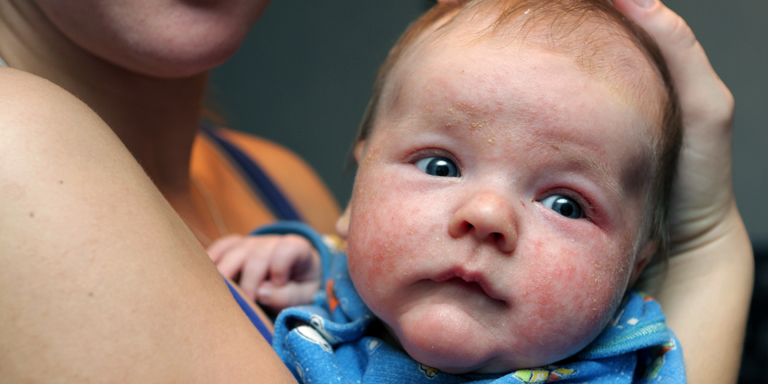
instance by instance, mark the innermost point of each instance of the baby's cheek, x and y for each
(567, 298)
(369, 246)
(384, 243)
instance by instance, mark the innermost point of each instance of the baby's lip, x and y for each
(471, 277)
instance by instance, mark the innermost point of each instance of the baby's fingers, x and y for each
(254, 274)
(223, 245)
(231, 263)
(296, 259)
(288, 295)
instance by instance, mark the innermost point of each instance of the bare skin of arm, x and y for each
(707, 288)
(100, 281)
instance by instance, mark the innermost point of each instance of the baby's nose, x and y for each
(488, 217)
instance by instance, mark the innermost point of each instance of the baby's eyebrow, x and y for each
(549, 133)
(603, 174)
(620, 180)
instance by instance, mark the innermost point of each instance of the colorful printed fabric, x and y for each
(327, 342)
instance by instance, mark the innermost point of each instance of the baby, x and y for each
(514, 171)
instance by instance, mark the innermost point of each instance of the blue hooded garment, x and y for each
(327, 343)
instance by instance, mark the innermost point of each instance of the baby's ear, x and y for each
(358, 151)
(643, 257)
(342, 224)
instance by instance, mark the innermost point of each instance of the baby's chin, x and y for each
(471, 359)
(456, 344)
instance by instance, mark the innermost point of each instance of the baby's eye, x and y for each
(563, 205)
(438, 166)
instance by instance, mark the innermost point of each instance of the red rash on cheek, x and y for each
(566, 297)
(396, 234)
(380, 238)
(559, 286)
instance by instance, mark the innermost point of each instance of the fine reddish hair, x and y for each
(585, 29)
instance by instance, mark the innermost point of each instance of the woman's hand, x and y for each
(708, 285)
(278, 271)
(703, 193)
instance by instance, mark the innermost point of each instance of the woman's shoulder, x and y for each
(34, 108)
(15, 83)
(30, 100)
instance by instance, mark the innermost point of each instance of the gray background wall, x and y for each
(304, 75)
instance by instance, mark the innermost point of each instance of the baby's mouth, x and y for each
(470, 282)
(470, 286)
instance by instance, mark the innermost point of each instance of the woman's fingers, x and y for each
(704, 97)
(702, 195)
(711, 265)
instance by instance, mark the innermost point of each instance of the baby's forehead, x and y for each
(594, 45)
(432, 83)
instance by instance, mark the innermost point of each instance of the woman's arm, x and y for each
(99, 279)
(707, 289)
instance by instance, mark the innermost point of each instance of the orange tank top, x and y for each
(248, 182)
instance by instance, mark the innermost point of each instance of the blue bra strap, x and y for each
(271, 195)
(255, 319)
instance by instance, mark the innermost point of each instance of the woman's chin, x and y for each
(176, 67)
(157, 38)
(177, 59)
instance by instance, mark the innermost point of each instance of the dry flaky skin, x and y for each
(707, 288)
(709, 281)
(595, 35)
(473, 273)
(99, 279)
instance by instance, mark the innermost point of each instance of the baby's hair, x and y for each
(574, 27)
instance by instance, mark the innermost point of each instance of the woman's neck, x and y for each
(155, 118)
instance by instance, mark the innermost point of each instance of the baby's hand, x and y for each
(278, 271)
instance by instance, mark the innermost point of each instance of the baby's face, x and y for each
(497, 210)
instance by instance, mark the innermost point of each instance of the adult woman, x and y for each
(101, 281)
